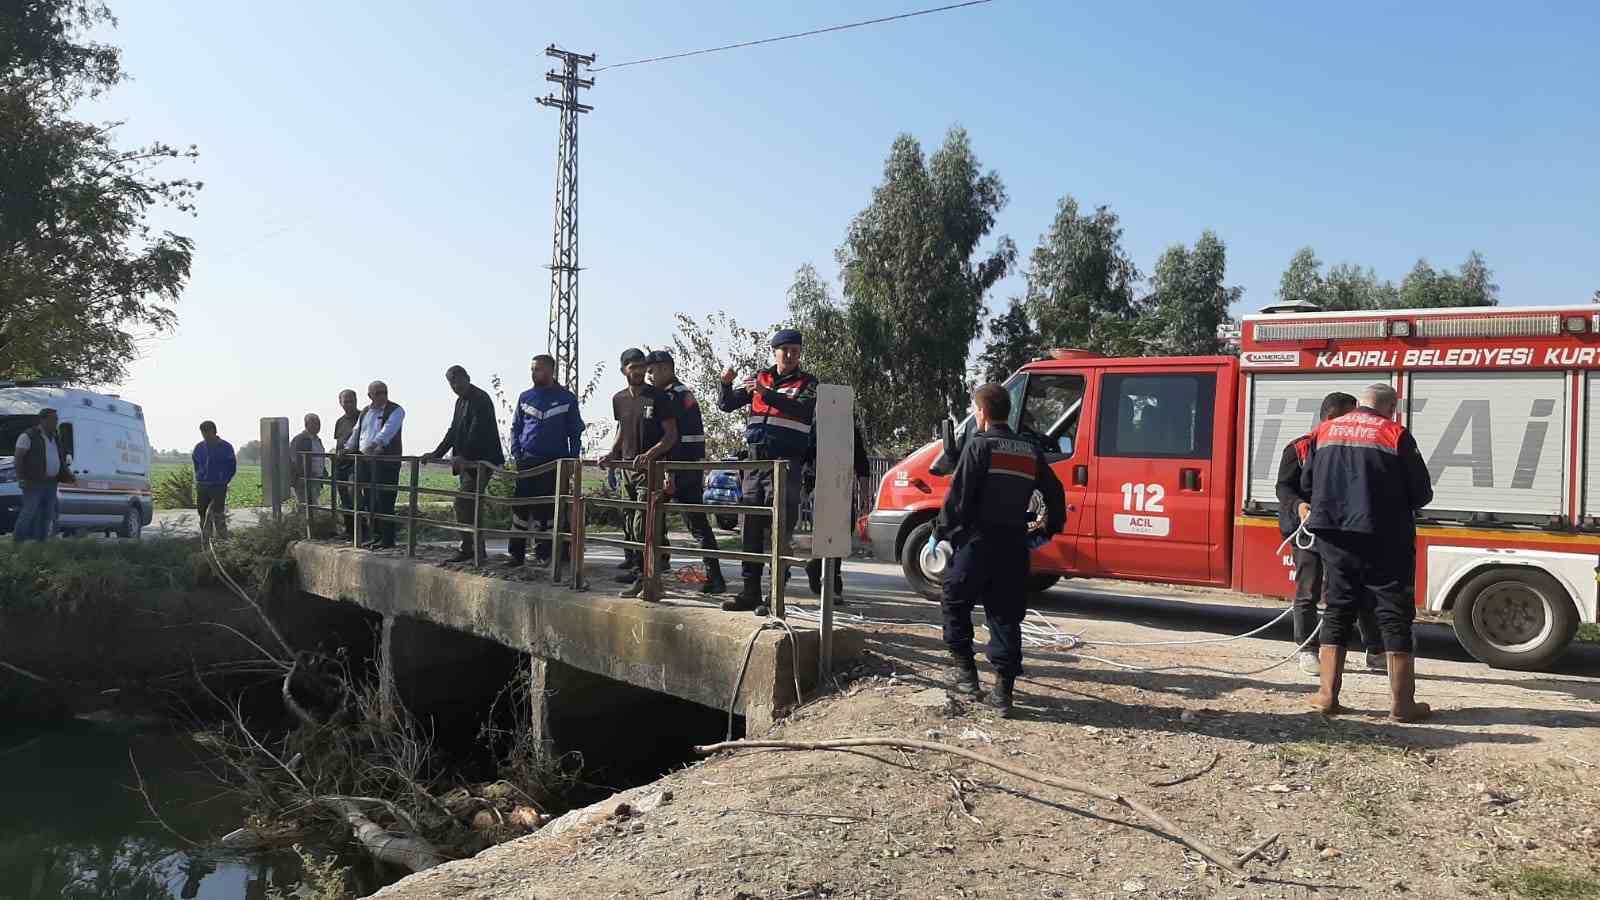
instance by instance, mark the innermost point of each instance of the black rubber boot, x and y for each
(714, 581)
(962, 676)
(748, 598)
(1000, 698)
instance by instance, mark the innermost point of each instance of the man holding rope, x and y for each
(1366, 480)
(985, 517)
(1292, 508)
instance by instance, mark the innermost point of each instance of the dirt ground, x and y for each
(1495, 797)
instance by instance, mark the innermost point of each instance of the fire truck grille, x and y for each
(1311, 331)
(1489, 326)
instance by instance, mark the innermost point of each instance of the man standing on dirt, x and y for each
(473, 438)
(1366, 480)
(544, 427)
(41, 467)
(214, 466)
(985, 519)
(1292, 508)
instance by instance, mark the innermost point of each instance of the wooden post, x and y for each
(579, 524)
(411, 524)
(305, 490)
(653, 539)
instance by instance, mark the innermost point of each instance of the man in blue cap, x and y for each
(783, 405)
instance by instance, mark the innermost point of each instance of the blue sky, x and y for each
(379, 179)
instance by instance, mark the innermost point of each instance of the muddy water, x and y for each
(72, 826)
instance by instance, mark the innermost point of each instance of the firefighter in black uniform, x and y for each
(1307, 564)
(686, 486)
(783, 404)
(1366, 480)
(985, 518)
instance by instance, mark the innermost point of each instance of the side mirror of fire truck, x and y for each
(949, 451)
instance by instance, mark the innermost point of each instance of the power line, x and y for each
(798, 34)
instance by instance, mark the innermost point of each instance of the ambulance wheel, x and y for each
(132, 524)
(929, 586)
(1038, 584)
(1514, 618)
(727, 522)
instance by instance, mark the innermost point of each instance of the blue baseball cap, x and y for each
(785, 336)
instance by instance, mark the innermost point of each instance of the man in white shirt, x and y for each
(377, 438)
(41, 466)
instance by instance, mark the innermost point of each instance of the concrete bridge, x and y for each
(585, 648)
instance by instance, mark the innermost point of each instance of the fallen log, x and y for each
(1218, 858)
(407, 851)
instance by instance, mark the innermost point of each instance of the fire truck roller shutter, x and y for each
(1283, 407)
(1495, 442)
(1591, 447)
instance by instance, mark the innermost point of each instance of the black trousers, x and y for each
(535, 486)
(467, 482)
(1308, 594)
(1372, 572)
(374, 475)
(690, 487)
(632, 519)
(344, 470)
(991, 569)
(757, 489)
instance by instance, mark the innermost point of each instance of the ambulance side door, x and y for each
(1153, 474)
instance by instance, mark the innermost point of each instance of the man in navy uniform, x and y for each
(1366, 480)
(686, 486)
(783, 404)
(545, 427)
(1292, 508)
(985, 519)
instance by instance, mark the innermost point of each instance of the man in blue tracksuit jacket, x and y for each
(545, 426)
(214, 466)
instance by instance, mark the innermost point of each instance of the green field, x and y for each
(245, 489)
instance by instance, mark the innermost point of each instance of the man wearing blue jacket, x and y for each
(545, 426)
(214, 467)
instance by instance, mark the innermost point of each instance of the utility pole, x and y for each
(563, 339)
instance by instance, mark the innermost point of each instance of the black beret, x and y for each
(784, 336)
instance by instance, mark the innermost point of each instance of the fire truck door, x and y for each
(1155, 497)
(1048, 414)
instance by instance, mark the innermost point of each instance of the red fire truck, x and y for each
(1169, 463)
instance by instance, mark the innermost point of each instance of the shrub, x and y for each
(175, 490)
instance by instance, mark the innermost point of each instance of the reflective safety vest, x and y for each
(774, 431)
(691, 427)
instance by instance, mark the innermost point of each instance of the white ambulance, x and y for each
(107, 448)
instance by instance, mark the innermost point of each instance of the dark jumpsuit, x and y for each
(985, 518)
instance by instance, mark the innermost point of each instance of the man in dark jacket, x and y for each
(1366, 480)
(783, 403)
(473, 438)
(344, 466)
(214, 467)
(41, 466)
(685, 486)
(1307, 564)
(985, 519)
(545, 427)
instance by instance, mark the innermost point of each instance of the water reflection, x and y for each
(71, 826)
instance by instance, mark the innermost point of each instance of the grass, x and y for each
(1548, 883)
(1590, 632)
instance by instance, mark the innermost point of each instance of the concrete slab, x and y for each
(682, 648)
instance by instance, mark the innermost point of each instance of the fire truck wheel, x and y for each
(929, 586)
(1514, 618)
(1038, 584)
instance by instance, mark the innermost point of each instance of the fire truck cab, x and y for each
(1170, 463)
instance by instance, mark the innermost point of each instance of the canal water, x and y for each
(73, 824)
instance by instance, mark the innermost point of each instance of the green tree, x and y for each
(1013, 342)
(1190, 298)
(1302, 281)
(1080, 284)
(1426, 288)
(1348, 286)
(830, 348)
(82, 273)
(914, 282)
(701, 350)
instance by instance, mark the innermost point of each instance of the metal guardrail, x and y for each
(569, 498)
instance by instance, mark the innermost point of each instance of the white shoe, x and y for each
(1377, 662)
(1310, 663)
